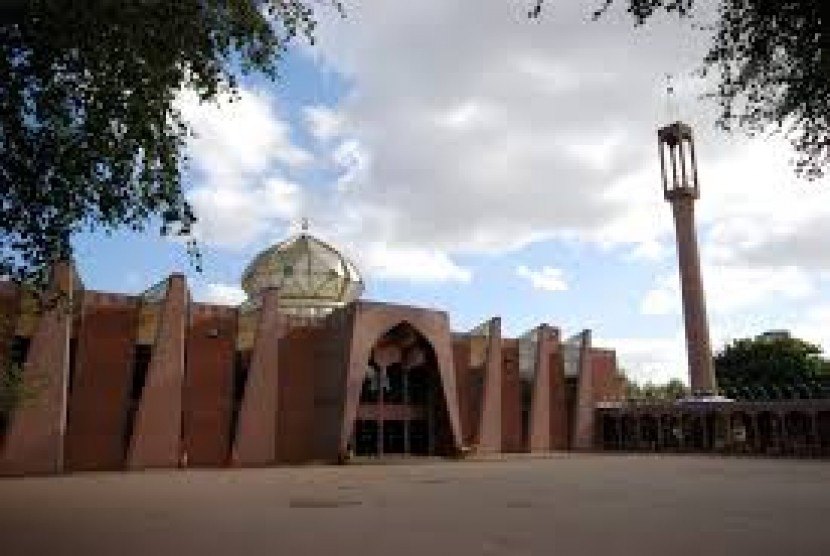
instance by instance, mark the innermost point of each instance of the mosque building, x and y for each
(304, 370)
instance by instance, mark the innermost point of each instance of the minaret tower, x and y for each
(680, 188)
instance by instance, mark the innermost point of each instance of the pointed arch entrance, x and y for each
(401, 409)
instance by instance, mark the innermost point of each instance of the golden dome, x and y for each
(313, 277)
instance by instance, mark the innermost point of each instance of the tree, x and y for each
(771, 366)
(674, 389)
(14, 392)
(90, 136)
(633, 391)
(773, 66)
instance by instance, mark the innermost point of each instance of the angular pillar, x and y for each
(35, 437)
(156, 438)
(559, 431)
(256, 432)
(584, 413)
(489, 428)
(539, 434)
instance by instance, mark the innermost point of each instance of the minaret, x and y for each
(680, 188)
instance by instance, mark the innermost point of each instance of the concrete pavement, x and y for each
(564, 504)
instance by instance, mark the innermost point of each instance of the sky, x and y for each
(474, 161)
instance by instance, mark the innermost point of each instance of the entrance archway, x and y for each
(402, 410)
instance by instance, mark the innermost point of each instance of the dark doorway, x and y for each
(365, 437)
(402, 410)
(418, 438)
(394, 436)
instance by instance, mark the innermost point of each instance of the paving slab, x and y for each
(565, 504)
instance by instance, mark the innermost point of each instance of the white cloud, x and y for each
(241, 155)
(323, 122)
(385, 261)
(731, 289)
(759, 214)
(648, 250)
(492, 136)
(663, 299)
(469, 115)
(521, 131)
(224, 294)
(354, 163)
(814, 326)
(650, 359)
(660, 359)
(244, 152)
(499, 132)
(741, 288)
(240, 136)
(234, 215)
(546, 278)
(529, 131)
(600, 152)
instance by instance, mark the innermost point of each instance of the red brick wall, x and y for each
(606, 381)
(97, 408)
(208, 385)
(464, 385)
(34, 441)
(571, 387)
(559, 423)
(511, 402)
(295, 397)
(9, 304)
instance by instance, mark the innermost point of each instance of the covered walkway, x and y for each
(799, 428)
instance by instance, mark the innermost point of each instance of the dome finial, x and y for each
(671, 100)
(304, 224)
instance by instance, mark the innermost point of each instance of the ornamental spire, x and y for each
(671, 101)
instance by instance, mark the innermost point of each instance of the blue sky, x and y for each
(473, 161)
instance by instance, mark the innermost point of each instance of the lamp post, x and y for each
(680, 189)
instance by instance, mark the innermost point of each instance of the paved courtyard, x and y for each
(564, 504)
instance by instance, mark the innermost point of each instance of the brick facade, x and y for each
(295, 403)
(34, 442)
(511, 401)
(160, 381)
(101, 382)
(157, 430)
(208, 385)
